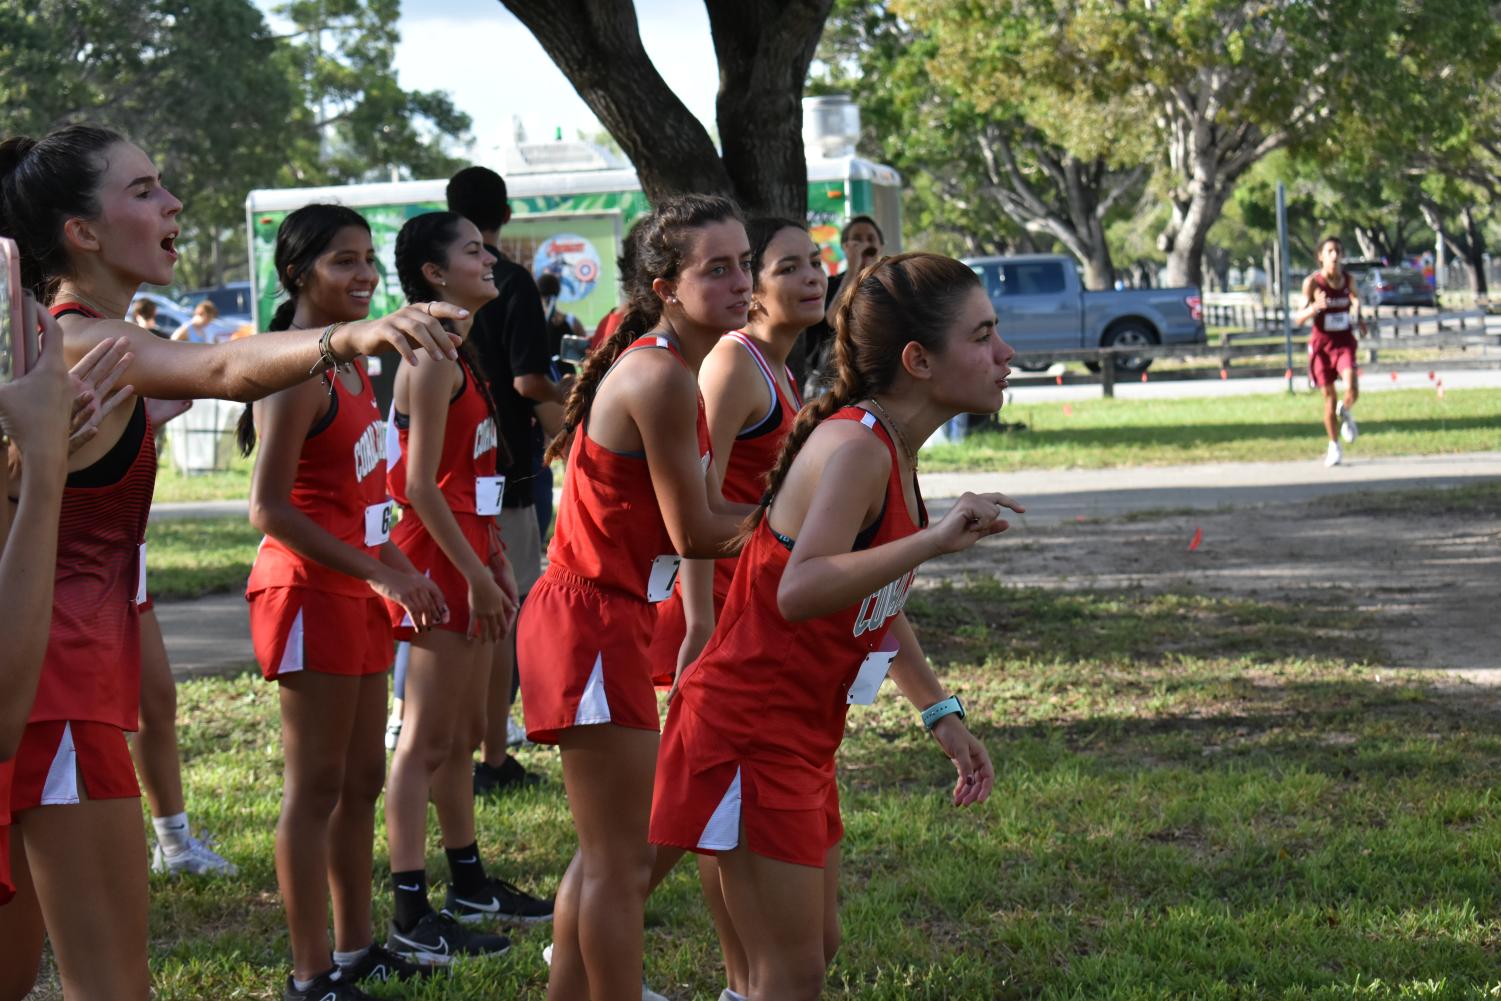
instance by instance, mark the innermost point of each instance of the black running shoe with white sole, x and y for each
(380, 964)
(437, 940)
(498, 900)
(325, 988)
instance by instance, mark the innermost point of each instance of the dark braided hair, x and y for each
(654, 249)
(425, 239)
(910, 297)
(301, 239)
(44, 183)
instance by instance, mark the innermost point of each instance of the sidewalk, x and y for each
(211, 635)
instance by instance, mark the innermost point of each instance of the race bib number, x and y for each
(141, 578)
(664, 573)
(872, 672)
(1335, 322)
(378, 524)
(487, 491)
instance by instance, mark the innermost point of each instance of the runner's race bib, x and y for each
(872, 672)
(487, 491)
(141, 578)
(378, 524)
(664, 573)
(1336, 322)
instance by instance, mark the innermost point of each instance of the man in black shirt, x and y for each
(510, 336)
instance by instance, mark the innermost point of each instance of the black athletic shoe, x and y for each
(437, 939)
(509, 776)
(325, 988)
(498, 900)
(380, 964)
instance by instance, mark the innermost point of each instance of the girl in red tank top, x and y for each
(442, 460)
(94, 223)
(750, 401)
(814, 620)
(638, 497)
(1332, 302)
(35, 417)
(317, 615)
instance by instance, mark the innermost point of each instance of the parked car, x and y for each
(171, 314)
(1385, 285)
(1042, 306)
(231, 299)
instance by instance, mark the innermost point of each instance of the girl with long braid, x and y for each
(639, 497)
(442, 451)
(94, 222)
(814, 621)
(317, 618)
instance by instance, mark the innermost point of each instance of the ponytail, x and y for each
(655, 248)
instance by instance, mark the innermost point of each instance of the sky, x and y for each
(494, 69)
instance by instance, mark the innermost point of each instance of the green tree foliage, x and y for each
(986, 169)
(221, 103)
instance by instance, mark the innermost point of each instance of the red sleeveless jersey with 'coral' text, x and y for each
(341, 487)
(92, 669)
(469, 444)
(610, 529)
(777, 691)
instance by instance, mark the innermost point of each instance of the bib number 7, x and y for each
(664, 573)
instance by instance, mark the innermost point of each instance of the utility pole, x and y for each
(1285, 275)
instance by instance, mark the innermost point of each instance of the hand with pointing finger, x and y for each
(972, 518)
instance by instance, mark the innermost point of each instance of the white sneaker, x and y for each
(1348, 429)
(729, 995)
(393, 732)
(197, 859)
(1334, 456)
(515, 734)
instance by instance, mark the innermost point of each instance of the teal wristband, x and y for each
(950, 706)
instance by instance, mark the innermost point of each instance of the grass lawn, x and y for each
(228, 484)
(189, 558)
(1197, 797)
(1097, 433)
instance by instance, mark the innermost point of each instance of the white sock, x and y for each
(303, 985)
(734, 995)
(348, 959)
(173, 833)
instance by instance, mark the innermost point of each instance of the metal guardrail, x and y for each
(1464, 330)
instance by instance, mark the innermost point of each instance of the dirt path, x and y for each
(1428, 573)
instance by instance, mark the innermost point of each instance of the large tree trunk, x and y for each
(764, 48)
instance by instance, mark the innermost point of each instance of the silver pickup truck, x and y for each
(1043, 307)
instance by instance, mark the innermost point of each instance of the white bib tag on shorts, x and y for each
(378, 524)
(487, 491)
(872, 672)
(141, 578)
(1335, 322)
(664, 573)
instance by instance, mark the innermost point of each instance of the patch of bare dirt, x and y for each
(1430, 581)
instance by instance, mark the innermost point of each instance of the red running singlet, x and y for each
(1334, 319)
(761, 713)
(610, 529)
(469, 444)
(341, 487)
(92, 668)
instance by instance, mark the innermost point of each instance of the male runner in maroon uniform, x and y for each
(1330, 300)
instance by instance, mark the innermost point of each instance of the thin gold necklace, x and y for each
(79, 297)
(911, 455)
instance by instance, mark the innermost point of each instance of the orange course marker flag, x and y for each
(1394, 377)
(1060, 380)
(1224, 374)
(1193, 543)
(1143, 377)
(1288, 375)
(1432, 376)
(1068, 410)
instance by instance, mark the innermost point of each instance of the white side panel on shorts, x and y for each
(61, 785)
(722, 832)
(291, 654)
(594, 706)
